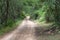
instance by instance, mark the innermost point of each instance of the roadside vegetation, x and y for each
(42, 11)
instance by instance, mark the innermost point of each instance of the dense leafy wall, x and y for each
(41, 10)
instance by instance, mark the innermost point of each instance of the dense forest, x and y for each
(12, 11)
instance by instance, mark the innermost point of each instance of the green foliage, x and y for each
(40, 10)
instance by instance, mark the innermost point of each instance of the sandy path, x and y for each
(25, 31)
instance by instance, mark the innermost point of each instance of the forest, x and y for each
(12, 12)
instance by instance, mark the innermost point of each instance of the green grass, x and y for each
(49, 37)
(9, 28)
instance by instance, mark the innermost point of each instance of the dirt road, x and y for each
(25, 31)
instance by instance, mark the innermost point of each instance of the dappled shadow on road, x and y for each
(27, 30)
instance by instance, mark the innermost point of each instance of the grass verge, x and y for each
(7, 29)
